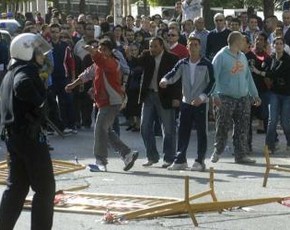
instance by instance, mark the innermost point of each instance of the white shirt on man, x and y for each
(154, 83)
(192, 67)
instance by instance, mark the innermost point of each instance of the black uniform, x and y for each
(22, 97)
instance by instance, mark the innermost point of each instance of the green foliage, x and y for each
(236, 3)
(256, 4)
(16, 1)
(161, 2)
(226, 3)
(216, 3)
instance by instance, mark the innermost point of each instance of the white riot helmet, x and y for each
(24, 45)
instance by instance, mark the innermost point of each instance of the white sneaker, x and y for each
(197, 167)
(74, 131)
(97, 167)
(129, 160)
(166, 164)
(175, 166)
(214, 157)
(67, 131)
(50, 133)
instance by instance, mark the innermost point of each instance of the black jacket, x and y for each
(22, 96)
(216, 41)
(262, 64)
(280, 75)
(168, 61)
(287, 37)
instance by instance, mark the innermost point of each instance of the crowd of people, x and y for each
(158, 70)
(142, 42)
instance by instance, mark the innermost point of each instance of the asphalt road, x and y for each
(232, 182)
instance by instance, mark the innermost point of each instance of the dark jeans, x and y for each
(53, 109)
(157, 125)
(65, 103)
(188, 115)
(30, 165)
(83, 106)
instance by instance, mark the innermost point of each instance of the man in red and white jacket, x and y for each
(109, 97)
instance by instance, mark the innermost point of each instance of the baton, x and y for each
(53, 126)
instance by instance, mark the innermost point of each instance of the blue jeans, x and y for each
(188, 115)
(167, 116)
(279, 106)
(262, 113)
(265, 97)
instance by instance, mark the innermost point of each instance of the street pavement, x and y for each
(232, 181)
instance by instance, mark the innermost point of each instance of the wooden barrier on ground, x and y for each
(126, 206)
(270, 166)
(59, 167)
(97, 203)
(129, 207)
(178, 207)
(185, 206)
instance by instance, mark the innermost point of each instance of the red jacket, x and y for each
(107, 68)
(180, 51)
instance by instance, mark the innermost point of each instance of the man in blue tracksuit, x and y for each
(234, 90)
(197, 81)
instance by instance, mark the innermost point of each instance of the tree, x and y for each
(56, 4)
(68, 9)
(206, 13)
(162, 2)
(145, 7)
(82, 6)
(228, 4)
(11, 5)
(268, 8)
(3, 5)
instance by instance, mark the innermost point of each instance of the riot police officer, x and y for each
(23, 97)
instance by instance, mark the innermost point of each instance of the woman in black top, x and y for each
(279, 106)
